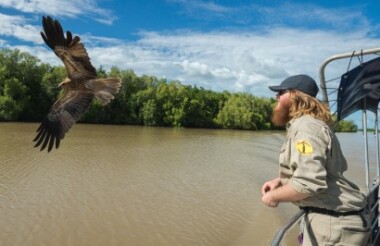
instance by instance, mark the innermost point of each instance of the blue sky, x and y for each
(233, 45)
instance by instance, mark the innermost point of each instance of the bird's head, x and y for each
(64, 82)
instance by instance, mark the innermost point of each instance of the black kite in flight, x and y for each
(79, 88)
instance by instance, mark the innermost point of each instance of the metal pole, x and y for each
(336, 57)
(377, 141)
(365, 144)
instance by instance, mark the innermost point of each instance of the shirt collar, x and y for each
(289, 124)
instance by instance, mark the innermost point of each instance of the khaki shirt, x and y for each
(312, 162)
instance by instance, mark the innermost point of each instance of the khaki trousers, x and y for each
(320, 229)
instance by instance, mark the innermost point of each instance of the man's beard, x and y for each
(280, 115)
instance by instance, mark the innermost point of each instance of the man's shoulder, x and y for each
(311, 129)
(308, 118)
(308, 122)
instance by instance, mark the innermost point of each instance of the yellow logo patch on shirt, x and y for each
(304, 147)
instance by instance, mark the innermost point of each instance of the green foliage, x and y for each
(344, 125)
(13, 99)
(244, 111)
(148, 112)
(20, 79)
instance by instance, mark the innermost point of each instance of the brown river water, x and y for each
(133, 185)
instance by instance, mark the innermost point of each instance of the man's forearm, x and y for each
(286, 193)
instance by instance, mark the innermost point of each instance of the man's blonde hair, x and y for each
(303, 104)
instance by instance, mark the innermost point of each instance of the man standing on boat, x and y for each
(311, 169)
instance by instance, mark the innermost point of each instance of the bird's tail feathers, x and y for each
(105, 88)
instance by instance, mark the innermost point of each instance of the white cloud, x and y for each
(67, 8)
(237, 61)
(196, 6)
(196, 69)
(224, 61)
(15, 26)
(268, 14)
(343, 19)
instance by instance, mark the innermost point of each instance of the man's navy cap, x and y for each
(301, 82)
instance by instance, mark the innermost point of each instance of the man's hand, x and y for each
(274, 192)
(270, 185)
(267, 200)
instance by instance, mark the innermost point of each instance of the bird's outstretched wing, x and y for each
(69, 49)
(61, 117)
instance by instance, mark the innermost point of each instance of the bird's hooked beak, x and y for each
(65, 81)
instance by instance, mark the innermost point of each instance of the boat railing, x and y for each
(373, 211)
(286, 228)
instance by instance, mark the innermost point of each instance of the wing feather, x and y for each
(62, 116)
(69, 38)
(70, 50)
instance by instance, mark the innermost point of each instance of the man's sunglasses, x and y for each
(280, 93)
